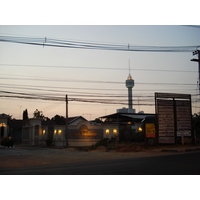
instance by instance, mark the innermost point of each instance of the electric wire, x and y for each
(87, 45)
(99, 68)
(91, 81)
(64, 89)
(48, 42)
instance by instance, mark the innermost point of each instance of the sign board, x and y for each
(150, 130)
(174, 116)
(85, 133)
(165, 112)
(183, 116)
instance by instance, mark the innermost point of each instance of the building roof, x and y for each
(131, 115)
(150, 119)
(4, 115)
(125, 117)
(72, 119)
(137, 116)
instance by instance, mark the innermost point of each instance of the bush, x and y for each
(49, 141)
(7, 142)
(129, 136)
(103, 142)
(106, 142)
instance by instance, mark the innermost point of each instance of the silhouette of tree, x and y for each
(39, 115)
(25, 115)
(97, 120)
(196, 125)
(60, 120)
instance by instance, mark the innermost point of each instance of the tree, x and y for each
(60, 120)
(38, 114)
(196, 125)
(25, 115)
(97, 120)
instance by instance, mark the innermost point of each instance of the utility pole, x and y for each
(67, 132)
(197, 52)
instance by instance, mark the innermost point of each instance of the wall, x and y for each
(84, 134)
(80, 133)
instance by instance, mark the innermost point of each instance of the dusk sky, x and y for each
(93, 74)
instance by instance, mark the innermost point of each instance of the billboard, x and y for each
(150, 130)
(165, 113)
(174, 116)
(183, 116)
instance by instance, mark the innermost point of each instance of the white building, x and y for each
(80, 132)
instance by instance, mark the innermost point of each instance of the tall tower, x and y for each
(129, 85)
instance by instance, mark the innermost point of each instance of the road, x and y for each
(173, 164)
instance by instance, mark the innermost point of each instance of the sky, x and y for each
(24, 68)
(93, 74)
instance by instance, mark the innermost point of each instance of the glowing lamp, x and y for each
(115, 131)
(140, 129)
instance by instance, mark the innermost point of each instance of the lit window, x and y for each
(3, 124)
(115, 131)
(107, 131)
(44, 131)
(55, 131)
(59, 131)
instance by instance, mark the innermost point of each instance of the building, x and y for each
(4, 125)
(10, 127)
(80, 132)
(133, 120)
(130, 125)
(37, 132)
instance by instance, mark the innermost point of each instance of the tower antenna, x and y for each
(129, 66)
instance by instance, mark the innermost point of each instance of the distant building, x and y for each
(125, 110)
(134, 120)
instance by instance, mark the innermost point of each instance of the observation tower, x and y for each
(130, 84)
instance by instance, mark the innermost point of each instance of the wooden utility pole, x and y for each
(197, 52)
(66, 132)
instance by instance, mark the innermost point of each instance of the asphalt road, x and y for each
(174, 164)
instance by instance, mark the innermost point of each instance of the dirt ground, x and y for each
(36, 156)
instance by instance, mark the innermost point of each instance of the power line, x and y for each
(98, 68)
(78, 93)
(52, 97)
(92, 81)
(48, 42)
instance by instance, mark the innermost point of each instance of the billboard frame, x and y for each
(173, 113)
